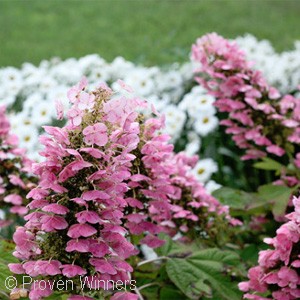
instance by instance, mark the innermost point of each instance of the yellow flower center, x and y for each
(205, 120)
(200, 171)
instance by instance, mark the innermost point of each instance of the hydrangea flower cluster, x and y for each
(260, 119)
(107, 176)
(277, 275)
(30, 90)
(15, 177)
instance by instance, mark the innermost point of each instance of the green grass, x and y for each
(151, 32)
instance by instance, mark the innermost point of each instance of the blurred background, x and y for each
(148, 32)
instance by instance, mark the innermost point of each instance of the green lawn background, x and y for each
(148, 32)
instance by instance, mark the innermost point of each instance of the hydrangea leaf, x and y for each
(201, 273)
(268, 164)
(277, 195)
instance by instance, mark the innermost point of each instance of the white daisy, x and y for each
(193, 145)
(20, 121)
(175, 120)
(30, 102)
(87, 63)
(168, 80)
(28, 138)
(196, 104)
(204, 169)
(120, 67)
(212, 186)
(66, 71)
(205, 124)
(43, 113)
(141, 82)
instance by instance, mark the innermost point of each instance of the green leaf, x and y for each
(166, 248)
(167, 293)
(200, 275)
(234, 198)
(171, 247)
(57, 296)
(250, 254)
(277, 195)
(269, 164)
(4, 273)
(6, 249)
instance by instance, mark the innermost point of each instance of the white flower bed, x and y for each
(31, 92)
(282, 70)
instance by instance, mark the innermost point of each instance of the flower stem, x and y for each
(152, 260)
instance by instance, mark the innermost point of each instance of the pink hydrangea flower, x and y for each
(124, 296)
(96, 134)
(278, 271)
(59, 109)
(106, 177)
(260, 119)
(15, 176)
(72, 271)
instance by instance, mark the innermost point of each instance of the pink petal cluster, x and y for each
(15, 177)
(261, 121)
(107, 176)
(277, 275)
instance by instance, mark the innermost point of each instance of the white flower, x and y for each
(186, 71)
(20, 121)
(212, 186)
(169, 80)
(5, 99)
(141, 81)
(205, 124)
(199, 90)
(10, 75)
(148, 252)
(204, 169)
(2, 214)
(59, 93)
(28, 137)
(34, 155)
(160, 103)
(198, 102)
(175, 119)
(193, 145)
(28, 69)
(31, 102)
(99, 75)
(120, 67)
(43, 113)
(89, 62)
(66, 71)
(11, 79)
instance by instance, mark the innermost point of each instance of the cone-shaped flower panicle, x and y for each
(107, 175)
(262, 121)
(277, 275)
(15, 177)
